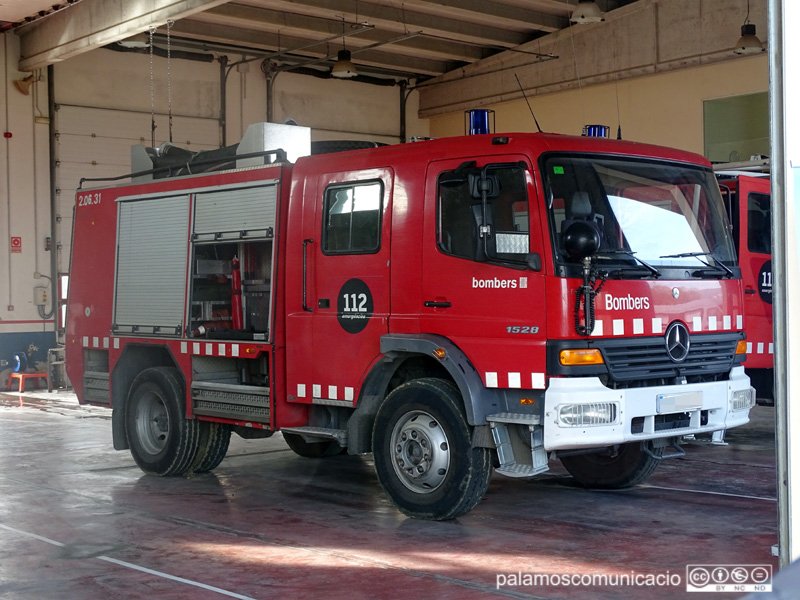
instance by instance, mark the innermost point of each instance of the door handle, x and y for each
(437, 304)
(749, 291)
(306, 307)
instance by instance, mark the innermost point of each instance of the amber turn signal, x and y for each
(586, 356)
(741, 347)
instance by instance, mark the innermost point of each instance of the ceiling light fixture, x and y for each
(748, 43)
(587, 11)
(343, 68)
(140, 40)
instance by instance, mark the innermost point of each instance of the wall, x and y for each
(24, 212)
(331, 107)
(350, 110)
(665, 109)
(652, 62)
(104, 107)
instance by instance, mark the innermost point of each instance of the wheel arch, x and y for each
(134, 359)
(409, 356)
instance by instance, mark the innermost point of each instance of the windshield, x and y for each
(667, 215)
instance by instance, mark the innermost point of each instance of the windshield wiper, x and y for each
(719, 266)
(686, 255)
(653, 271)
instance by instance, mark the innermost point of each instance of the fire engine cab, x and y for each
(746, 194)
(448, 305)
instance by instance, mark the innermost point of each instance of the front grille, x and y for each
(667, 422)
(632, 359)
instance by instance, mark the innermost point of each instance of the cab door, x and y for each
(336, 337)
(482, 278)
(755, 260)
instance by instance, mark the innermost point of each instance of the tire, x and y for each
(161, 439)
(212, 446)
(628, 466)
(422, 446)
(312, 449)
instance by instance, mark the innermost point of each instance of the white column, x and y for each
(784, 48)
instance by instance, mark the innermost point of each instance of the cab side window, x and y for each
(497, 232)
(759, 224)
(352, 218)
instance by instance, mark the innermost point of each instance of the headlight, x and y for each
(743, 399)
(587, 415)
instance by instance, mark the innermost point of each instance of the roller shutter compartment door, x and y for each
(151, 266)
(236, 214)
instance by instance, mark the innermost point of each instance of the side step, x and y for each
(95, 386)
(229, 401)
(517, 459)
(312, 434)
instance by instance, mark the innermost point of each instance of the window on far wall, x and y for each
(736, 128)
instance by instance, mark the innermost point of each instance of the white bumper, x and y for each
(644, 413)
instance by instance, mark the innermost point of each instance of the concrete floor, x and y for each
(80, 521)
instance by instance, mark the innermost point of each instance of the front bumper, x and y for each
(644, 413)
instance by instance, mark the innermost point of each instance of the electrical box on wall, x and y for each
(40, 296)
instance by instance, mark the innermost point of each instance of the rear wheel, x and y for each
(623, 467)
(311, 449)
(162, 440)
(422, 446)
(212, 446)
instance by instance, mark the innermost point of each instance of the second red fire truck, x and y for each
(747, 197)
(446, 305)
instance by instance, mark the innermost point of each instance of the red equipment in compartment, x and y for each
(236, 294)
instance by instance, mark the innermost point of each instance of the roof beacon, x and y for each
(476, 121)
(596, 131)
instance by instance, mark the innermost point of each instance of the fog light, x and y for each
(587, 415)
(743, 399)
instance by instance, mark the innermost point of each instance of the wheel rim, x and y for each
(420, 452)
(152, 423)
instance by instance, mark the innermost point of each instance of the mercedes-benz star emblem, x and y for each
(675, 293)
(677, 341)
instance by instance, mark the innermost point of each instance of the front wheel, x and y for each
(622, 467)
(162, 440)
(422, 446)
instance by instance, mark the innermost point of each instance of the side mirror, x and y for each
(534, 261)
(581, 240)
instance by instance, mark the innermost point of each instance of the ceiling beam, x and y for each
(286, 24)
(394, 18)
(85, 26)
(484, 12)
(562, 8)
(269, 42)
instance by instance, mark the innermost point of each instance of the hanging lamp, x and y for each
(586, 11)
(748, 44)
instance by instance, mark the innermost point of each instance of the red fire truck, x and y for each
(448, 305)
(747, 196)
